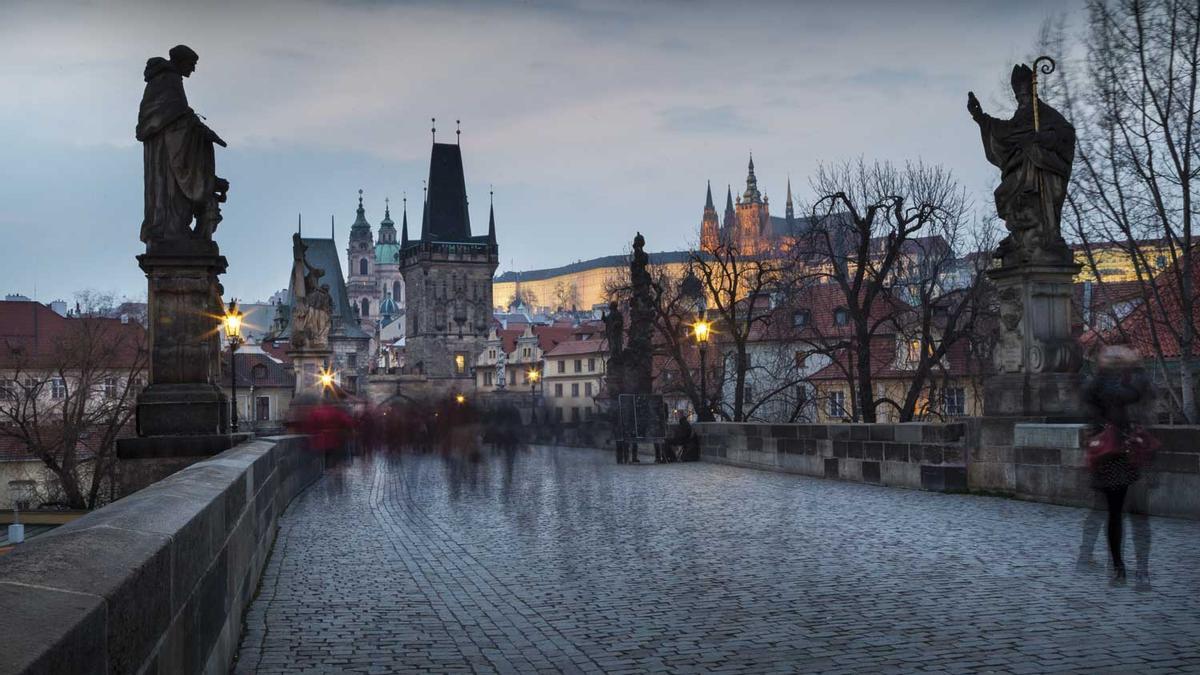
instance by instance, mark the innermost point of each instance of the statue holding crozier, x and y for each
(1034, 151)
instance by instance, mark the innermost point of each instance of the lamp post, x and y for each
(702, 329)
(533, 376)
(233, 333)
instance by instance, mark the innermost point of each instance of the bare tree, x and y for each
(738, 290)
(68, 401)
(864, 225)
(1136, 111)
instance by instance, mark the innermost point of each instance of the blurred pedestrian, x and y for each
(1119, 446)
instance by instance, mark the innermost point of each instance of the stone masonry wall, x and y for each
(157, 581)
(912, 455)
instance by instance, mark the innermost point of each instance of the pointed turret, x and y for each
(359, 250)
(790, 212)
(730, 218)
(360, 220)
(709, 227)
(491, 218)
(404, 226)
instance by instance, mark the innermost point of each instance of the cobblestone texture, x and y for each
(577, 564)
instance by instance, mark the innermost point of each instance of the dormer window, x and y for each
(841, 316)
(259, 372)
(800, 318)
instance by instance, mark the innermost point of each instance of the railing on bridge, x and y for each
(159, 580)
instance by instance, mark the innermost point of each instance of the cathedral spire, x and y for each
(790, 214)
(752, 194)
(730, 217)
(708, 203)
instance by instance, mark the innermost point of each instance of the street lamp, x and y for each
(533, 376)
(326, 378)
(233, 333)
(702, 329)
(460, 399)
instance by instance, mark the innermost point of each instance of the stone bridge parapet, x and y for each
(157, 581)
(913, 455)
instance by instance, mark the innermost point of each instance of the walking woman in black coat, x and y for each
(1111, 396)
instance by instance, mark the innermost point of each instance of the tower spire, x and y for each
(299, 223)
(433, 128)
(752, 194)
(404, 226)
(332, 230)
(491, 216)
(790, 213)
(708, 202)
(458, 131)
(730, 217)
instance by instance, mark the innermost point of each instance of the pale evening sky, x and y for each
(592, 120)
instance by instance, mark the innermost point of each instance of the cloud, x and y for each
(693, 119)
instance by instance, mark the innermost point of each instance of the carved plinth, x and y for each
(308, 364)
(184, 396)
(1036, 358)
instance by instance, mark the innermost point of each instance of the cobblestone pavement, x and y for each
(577, 564)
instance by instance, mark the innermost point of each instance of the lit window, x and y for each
(460, 363)
(914, 351)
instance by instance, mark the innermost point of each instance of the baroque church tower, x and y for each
(360, 266)
(448, 279)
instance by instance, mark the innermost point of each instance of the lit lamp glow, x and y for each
(460, 399)
(326, 378)
(533, 375)
(702, 330)
(232, 321)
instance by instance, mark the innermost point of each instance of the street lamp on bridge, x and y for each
(702, 330)
(233, 333)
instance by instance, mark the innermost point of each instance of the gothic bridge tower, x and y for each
(447, 280)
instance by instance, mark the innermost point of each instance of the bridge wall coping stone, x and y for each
(157, 581)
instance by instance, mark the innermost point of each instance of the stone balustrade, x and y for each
(912, 455)
(157, 581)
(1008, 456)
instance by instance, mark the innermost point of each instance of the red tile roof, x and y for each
(578, 347)
(31, 334)
(1163, 316)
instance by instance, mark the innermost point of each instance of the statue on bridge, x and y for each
(1034, 151)
(312, 302)
(181, 183)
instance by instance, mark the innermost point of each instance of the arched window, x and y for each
(362, 266)
(366, 307)
(396, 291)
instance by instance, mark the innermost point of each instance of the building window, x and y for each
(352, 360)
(262, 408)
(913, 351)
(362, 266)
(574, 390)
(579, 365)
(396, 291)
(558, 389)
(562, 365)
(748, 393)
(591, 365)
(512, 377)
(800, 318)
(110, 387)
(574, 414)
(491, 354)
(58, 388)
(801, 359)
(258, 372)
(587, 389)
(525, 352)
(837, 404)
(8, 389)
(366, 307)
(841, 317)
(954, 401)
(558, 413)
(487, 378)
(460, 363)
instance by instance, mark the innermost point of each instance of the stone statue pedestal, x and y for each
(184, 395)
(182, 414)
(307, 363)
(1037, 359)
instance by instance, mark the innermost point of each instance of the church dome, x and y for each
(387, 308)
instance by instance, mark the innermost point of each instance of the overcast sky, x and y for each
(592, 120)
